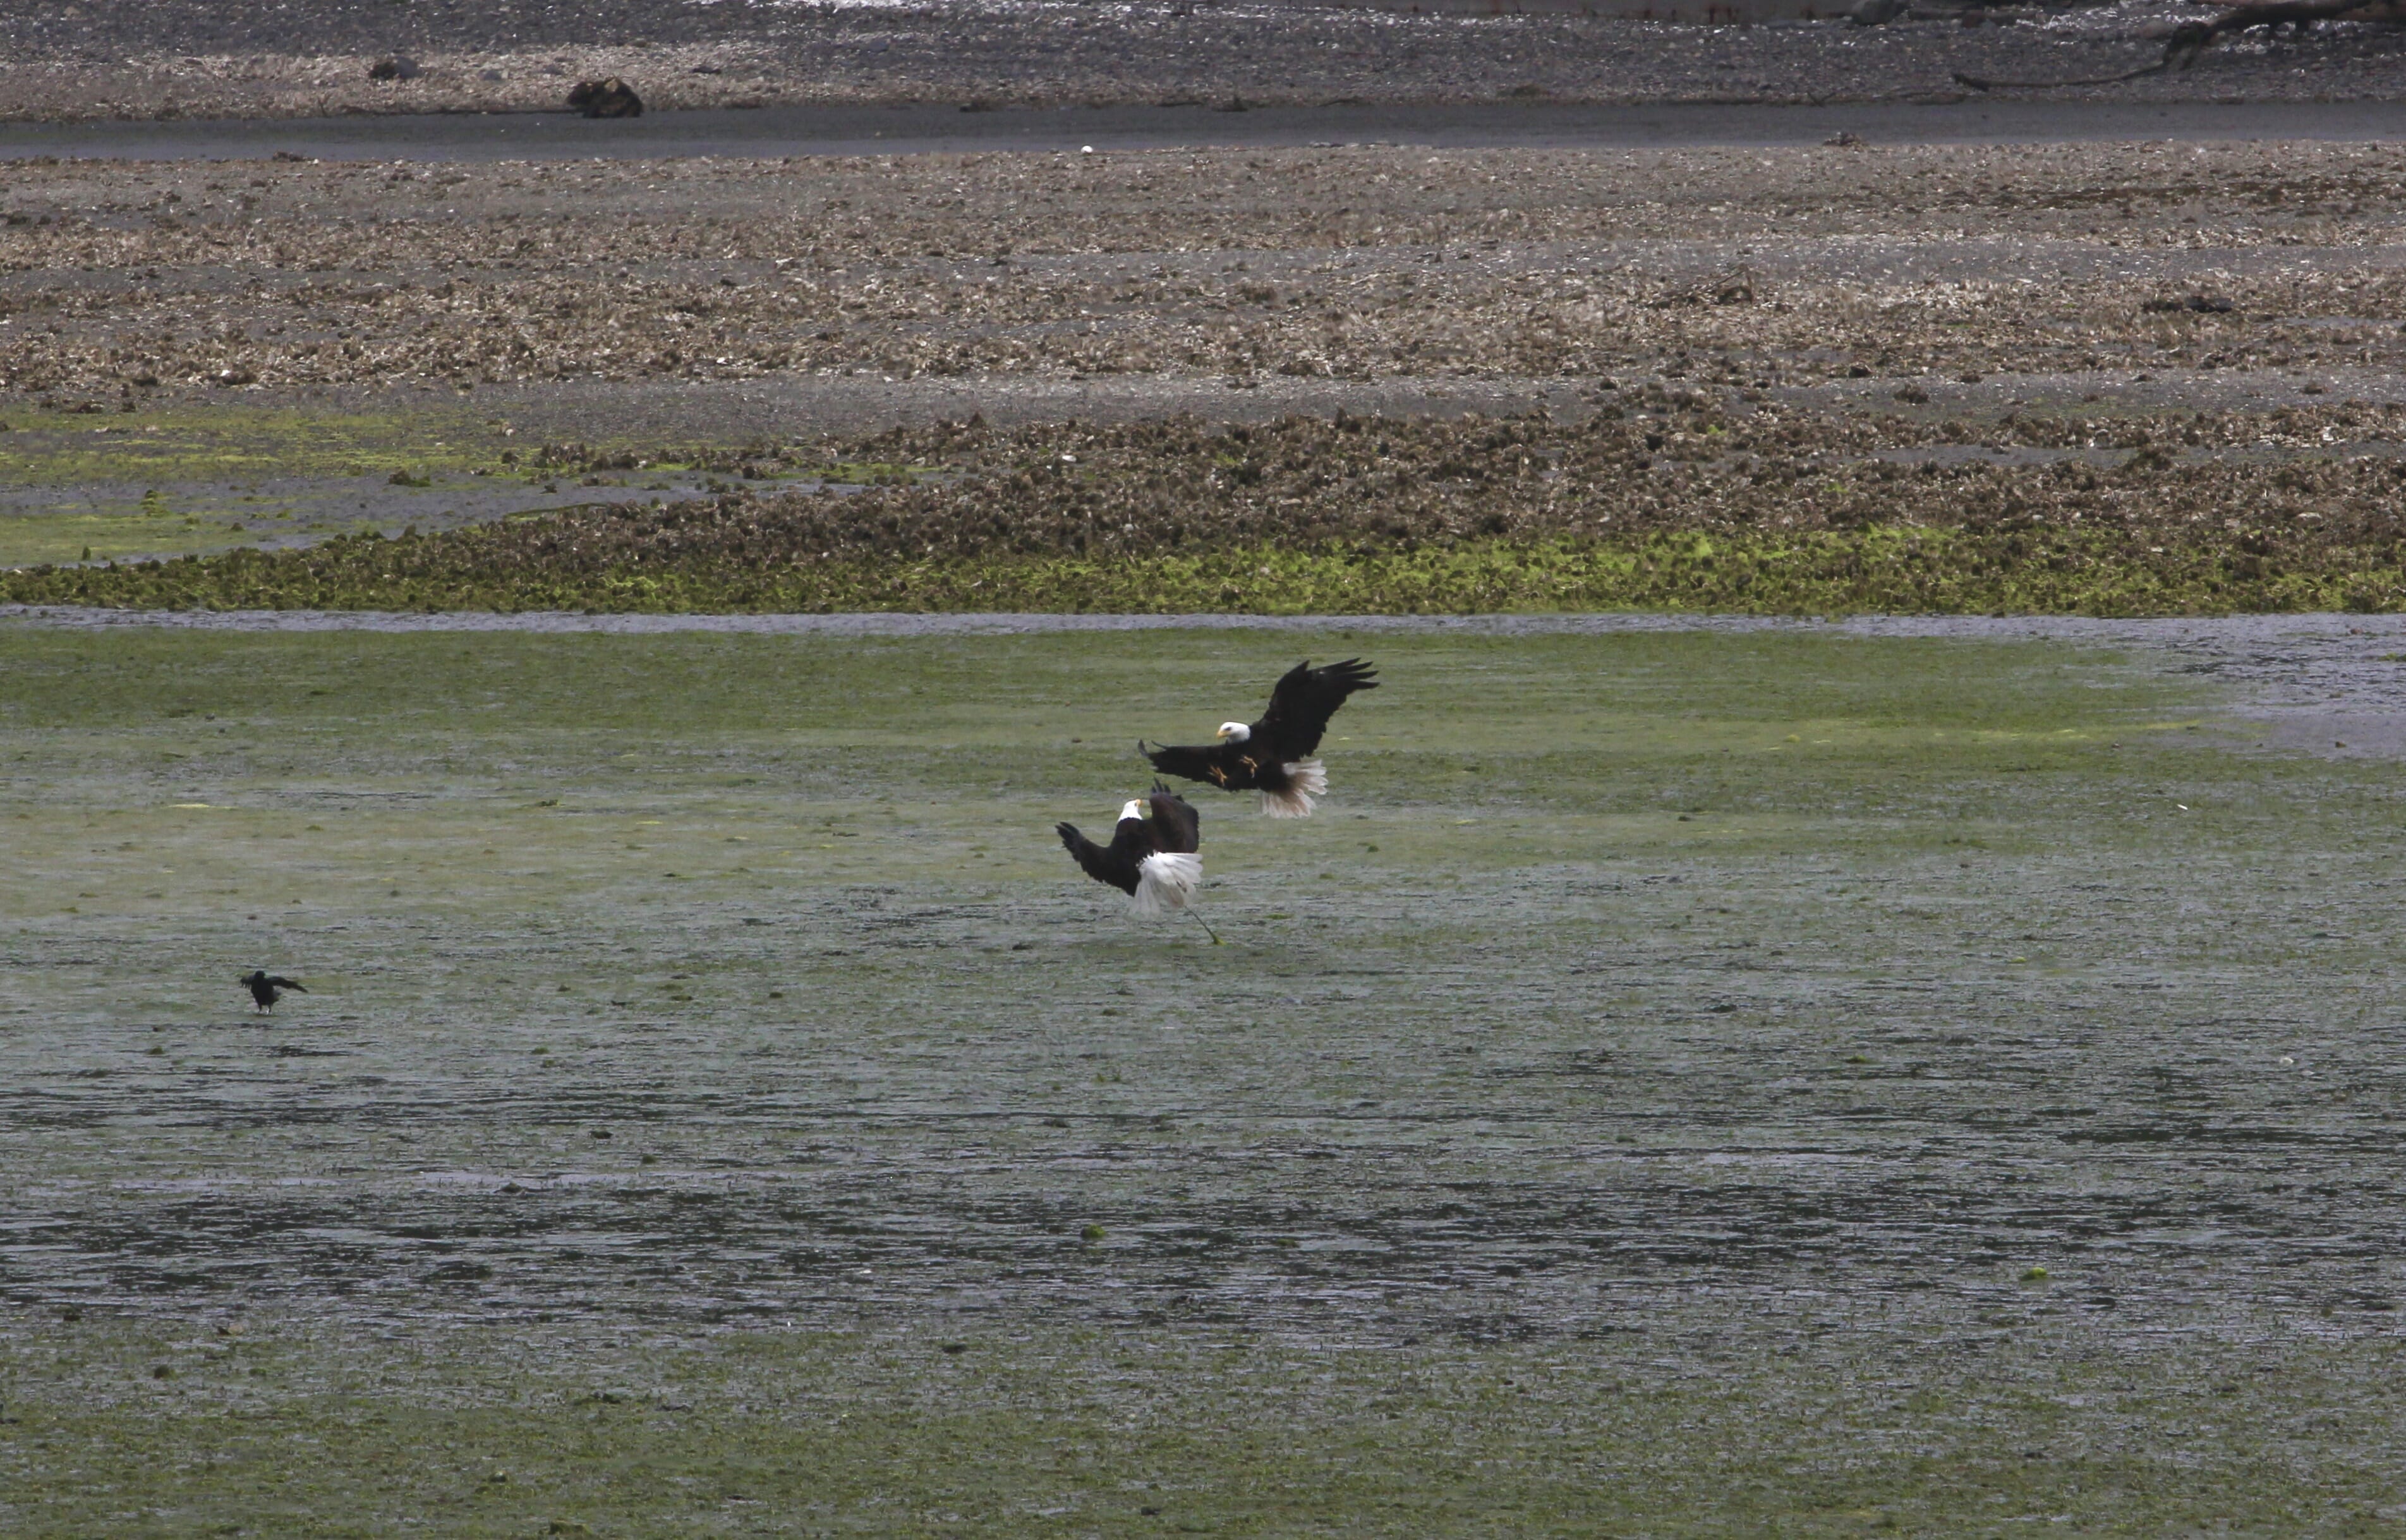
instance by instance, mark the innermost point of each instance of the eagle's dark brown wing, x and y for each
(1177, 827)
(1303, 700)
(1103, 863)
(1221, 765)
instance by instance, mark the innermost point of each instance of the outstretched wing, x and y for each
(1092, 858)
(1177, 827)
(1304, 699)
(287, 983)
(1213, 762)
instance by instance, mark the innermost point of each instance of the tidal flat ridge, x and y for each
(2108, 379)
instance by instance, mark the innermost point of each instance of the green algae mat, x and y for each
(1769, 1082)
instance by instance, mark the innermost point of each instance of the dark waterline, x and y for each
(945, 128)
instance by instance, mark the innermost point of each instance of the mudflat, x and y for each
(1954, 1064)
(1903, 1072)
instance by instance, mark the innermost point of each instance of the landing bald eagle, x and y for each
(1274, 755)
(1152, 856)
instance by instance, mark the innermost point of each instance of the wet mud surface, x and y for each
(1631, 980)
(125, 521)
(82, 487)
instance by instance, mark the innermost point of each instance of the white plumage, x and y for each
(1165, 882)
(1306, 781)
(1152, 856)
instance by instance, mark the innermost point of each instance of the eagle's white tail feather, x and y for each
(1307, 779)
(1164, 883)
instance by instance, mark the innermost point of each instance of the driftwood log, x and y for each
(2191, 39)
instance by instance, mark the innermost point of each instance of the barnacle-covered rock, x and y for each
(610, 98)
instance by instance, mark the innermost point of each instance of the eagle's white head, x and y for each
(1235, 732)
(1134, 809)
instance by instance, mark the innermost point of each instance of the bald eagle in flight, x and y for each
(1274, 755)
(1152, 856)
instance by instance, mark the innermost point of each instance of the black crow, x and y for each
(266, 990)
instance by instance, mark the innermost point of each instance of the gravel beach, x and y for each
(1981, 274)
